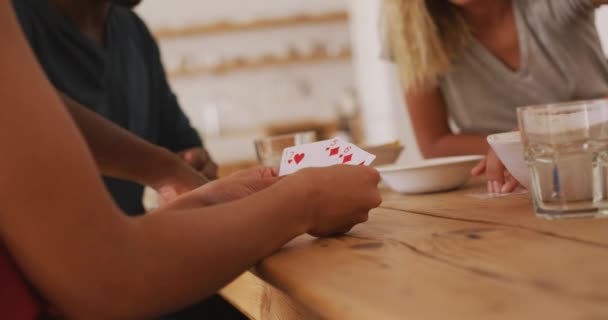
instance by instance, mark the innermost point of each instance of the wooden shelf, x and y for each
(319, 55)
(227, 27)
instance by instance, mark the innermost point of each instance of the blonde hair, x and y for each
(423, 38)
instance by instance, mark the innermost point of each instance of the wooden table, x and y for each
(440, 256)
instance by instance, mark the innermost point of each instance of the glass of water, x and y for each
(269, 150)
(566, 149)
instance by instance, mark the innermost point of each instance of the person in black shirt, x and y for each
(101, 55)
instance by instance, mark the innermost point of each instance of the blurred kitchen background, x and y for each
(246, 69)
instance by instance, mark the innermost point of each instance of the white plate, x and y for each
(432, 175)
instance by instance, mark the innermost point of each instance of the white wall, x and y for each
(377, 81)
(602, 25)
(256, 98)
(248, 100)
(228, 108)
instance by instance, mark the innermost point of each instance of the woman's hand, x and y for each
(237, 186)
(499, 179)
(341, 196)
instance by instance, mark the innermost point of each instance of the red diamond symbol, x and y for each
(334, 151)
(347, 158)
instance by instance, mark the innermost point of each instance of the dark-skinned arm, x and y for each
(90, 261)
(121, 154)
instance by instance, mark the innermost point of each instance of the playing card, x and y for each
(309, 155)
(322, 154)
(358, 156)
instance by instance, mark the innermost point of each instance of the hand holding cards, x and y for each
(337, 198)
(323, 154)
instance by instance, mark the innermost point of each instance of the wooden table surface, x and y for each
(438, 256)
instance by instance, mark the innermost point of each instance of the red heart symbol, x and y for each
(289, 161)
(298, 157)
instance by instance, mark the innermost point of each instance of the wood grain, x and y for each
(509, 211)
(259, 300)
(449, 256)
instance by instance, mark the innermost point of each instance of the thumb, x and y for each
(168, 193)
(191, 158)
(256, 185)
(188, 156)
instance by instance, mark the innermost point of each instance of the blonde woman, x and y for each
(472, 62)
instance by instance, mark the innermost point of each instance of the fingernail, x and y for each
(505, 189)
(490, 187)
(497, 186)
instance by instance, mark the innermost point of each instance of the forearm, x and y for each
(454, 145)
(429, 117)
(76, 248)
(119, 153)
(169, 261)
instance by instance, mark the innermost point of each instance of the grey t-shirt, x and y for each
(562, 60)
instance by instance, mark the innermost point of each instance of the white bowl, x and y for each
(510, 150)
(431, 175)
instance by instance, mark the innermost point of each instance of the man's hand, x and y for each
(237, 186)
(499, 179)
(177, 178)
(201, 161)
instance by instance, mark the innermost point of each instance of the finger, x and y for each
(210, 170)
(246, 173)
(495, 171)
(256, 172)
(375, 199)
(255, 185)
(168, 193)
(510, 185)
(363, 218)
(274, 171)
(194, 159)
(497, 186)
(266, 182)
(341, 232)
(480, 168)
(268, 172)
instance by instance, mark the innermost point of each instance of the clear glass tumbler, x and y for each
(269, 150)
(566, 149)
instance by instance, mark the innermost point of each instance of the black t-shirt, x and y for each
(124, 81)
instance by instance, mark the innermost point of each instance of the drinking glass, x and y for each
(269, 150)
(566, 149)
